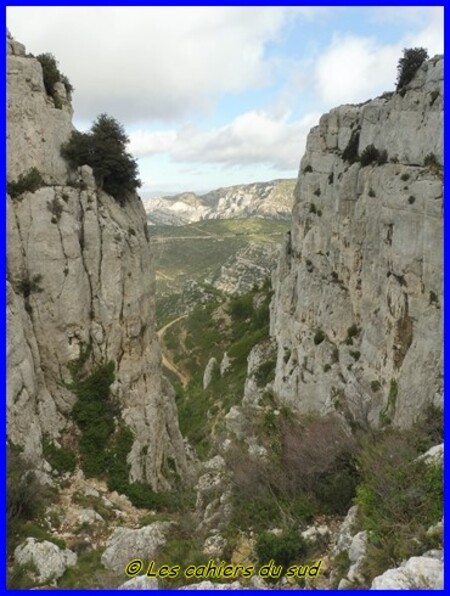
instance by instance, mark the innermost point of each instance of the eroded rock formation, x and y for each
(79, 275)
(357, 309)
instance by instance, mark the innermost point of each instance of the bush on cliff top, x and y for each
(103, 148)
(52, 75)
(409, 64)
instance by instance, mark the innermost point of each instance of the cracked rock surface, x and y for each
(357, 308)
(79, 274)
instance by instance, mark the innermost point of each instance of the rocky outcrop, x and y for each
(141, 582)
(357, 308)
(208, 374)
(126, 545)
(249, 266)
(426, 572)
(48, 559)
(79, 278)
(267, 200)
(36, 128)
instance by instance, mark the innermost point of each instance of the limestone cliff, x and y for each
(262, 200)
(357, 308)
(79, 274)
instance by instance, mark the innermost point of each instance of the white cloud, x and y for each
(251, 138)
(162, 63)
(355, 68)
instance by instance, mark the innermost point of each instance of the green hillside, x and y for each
(185, 257)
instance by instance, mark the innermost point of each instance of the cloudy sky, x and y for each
(214, 96)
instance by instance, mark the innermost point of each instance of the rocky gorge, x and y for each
(295, 391)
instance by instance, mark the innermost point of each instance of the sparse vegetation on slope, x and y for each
(233, 325)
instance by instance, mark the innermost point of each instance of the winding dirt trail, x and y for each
(165, 361)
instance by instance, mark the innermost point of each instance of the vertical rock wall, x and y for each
(87, 263)
(357, 311)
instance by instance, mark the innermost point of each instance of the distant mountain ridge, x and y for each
(263, 200)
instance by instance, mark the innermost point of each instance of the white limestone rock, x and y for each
(36, 128)
(365, 255)
(357, 554)
(415, 573)
(93, 261)
(316, 533)
(434, 455)
(214, 545)
(208, 585)
(126, 544)
(225, 364)
(89, 516)
(209, 372)
(346, 531)
(271, 200)
(141, 582)
(50, 561)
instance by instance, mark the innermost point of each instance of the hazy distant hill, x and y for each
(262, 200)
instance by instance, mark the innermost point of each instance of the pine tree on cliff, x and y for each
(103, 148)
(409, 64)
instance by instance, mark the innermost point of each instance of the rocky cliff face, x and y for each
(357, 307)
(79, 274)
(267, 200)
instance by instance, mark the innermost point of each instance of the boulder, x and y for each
(141, 582)
(417, 572)
(50, 561)
(126, 544)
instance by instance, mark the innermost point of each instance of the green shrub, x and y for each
(375, 386)
(256, 513)
(369, 155)
(398, 498)
(341, 567)
(371, 192)
(404, 177)
(29, 285)
(25, 499)
(104, 149)
(61, 459)
(29, 182)
(241, 307)
(352, 331)
(393, 391)
(55, 208)
(355, 354)
(118, 468)
(335, 489)
(411, 199)
(94, 414)
(431, 161)
(319, 336)
(284, 550)
(408, 65)
(350, 153)
(265, 373)
(433, 96)
(52, 75)
(307, 169)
